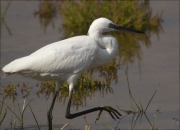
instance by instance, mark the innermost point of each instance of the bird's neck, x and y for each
(108, 47)
(97, 36)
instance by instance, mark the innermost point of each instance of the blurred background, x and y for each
(150, 60)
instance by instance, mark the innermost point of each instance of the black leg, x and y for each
(49, 114)
(113, 112)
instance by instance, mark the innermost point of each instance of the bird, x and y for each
(67, 59)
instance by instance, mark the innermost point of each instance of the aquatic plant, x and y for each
(77, 17)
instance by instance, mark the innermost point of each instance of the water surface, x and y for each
(159, 66)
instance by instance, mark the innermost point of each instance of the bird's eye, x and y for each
(111, 25)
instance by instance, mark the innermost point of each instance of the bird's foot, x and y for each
(112, 112)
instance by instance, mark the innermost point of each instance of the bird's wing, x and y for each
(72, 55)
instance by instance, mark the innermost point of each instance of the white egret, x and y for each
(65, 60)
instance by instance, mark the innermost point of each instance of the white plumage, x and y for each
(57, 60)
(67, 59)
(60, 60)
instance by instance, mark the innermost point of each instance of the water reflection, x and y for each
(85, 88)
(46, 13)
(77, 16)
(3, 18)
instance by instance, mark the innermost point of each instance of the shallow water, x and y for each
(159, 66)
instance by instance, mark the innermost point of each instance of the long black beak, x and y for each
(117, 27)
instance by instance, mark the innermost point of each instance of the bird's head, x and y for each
(101, 25)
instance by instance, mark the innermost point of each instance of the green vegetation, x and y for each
(3, 111)
(17, 122)
(46, 13)
(76, 17)
(137, 110)
(20, 116)
(3, 15)
(81, 93)
(84, 89)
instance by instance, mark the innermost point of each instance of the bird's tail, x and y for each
(15, 66)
